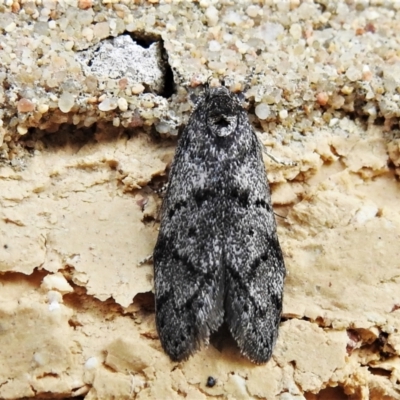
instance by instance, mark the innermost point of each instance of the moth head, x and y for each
(223, 112)
(222, 124)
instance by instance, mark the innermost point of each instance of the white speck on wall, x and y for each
(54, 299)
(366, 213)
(39, 359)
(239, 385)
(91, 363)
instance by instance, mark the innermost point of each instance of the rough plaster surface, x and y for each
(79, 213)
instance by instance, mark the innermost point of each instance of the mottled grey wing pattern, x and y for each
(189, 279)
(254, 266)
(217, 255)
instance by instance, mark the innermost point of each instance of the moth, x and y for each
(217, 256)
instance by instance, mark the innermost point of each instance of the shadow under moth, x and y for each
(217, 256)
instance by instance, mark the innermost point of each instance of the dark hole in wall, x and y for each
(330, 393)
(145, 301)
(61, 398)
(146, 40)
(148, 219)
(12, 278)
(379, 371)
(68, 135)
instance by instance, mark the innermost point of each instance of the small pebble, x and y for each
(66, 102)
(22, 130)
(213, 45)
(137, 88)
(295, 31)
(25, 105)
(108, 104)
(347, 89)
(122, 104)
(10, 27)
(353, 74)
(262, 111)
(122, 83)
(211, 381)
(147, 103)
(337, 101)
(69, 45)
(283, 114)
(101, 30)
(212, 16)
(85, 4)
(162, 127)
(322, 98)
(252, 11)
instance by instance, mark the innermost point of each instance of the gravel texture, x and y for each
(94, 94)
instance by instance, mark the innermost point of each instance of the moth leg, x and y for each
(287, 163)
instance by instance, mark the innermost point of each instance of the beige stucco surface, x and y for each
(79, 211)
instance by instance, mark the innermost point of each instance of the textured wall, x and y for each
(87, 135)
